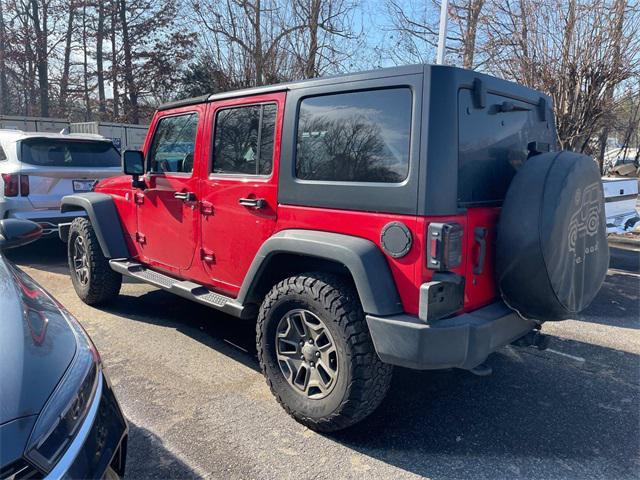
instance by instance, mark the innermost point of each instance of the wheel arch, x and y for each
(292, 252)
(103, 215)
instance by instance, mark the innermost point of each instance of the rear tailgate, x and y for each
(47, 185)
(495, 137)
(60, 166)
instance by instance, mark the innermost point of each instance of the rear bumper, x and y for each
(464, 341)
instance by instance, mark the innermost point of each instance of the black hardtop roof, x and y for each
(313, 82)
(445, 74)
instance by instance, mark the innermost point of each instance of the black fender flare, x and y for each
(103, 215)
(364, 260)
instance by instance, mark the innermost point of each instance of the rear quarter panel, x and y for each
(365, 225)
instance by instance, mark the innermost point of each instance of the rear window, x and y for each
(355, 137)
(493, 144)
(48, 152)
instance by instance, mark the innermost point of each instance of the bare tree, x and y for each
(66, 65)
(100, 60)
(577, 51)
(619, 10)
(132, 100)
(114, 59)
(4, 87)
(326, 40)
(415, 28)
(39, 13)
(247, 37)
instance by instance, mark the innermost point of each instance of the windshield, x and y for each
(51, 152)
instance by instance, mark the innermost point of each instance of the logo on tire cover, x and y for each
(585, 220)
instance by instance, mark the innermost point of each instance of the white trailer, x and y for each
(621, 203)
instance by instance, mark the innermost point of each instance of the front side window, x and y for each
(244, 140)
(174, 144)
(355, 137)
(53, 152)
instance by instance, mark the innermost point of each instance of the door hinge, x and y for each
(207, 256)
(138, 198)
(140, 238)
(206, 208)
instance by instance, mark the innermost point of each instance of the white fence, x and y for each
(123, 135)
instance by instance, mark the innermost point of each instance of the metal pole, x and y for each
(442, 34)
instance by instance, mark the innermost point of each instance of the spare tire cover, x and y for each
(552, 252)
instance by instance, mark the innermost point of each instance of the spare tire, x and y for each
(552, 251)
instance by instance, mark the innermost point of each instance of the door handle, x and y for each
(185, 196)
(480, 238)
(253, 202)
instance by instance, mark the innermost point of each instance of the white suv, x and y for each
(37, 169)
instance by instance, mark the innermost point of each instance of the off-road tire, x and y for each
(103, 284)
(362, 380)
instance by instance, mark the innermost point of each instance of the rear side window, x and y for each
(355, 137)
(173, 145)
(51, 152)
(3, 156)
(244, 140)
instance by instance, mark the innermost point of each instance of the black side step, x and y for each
(184, 288)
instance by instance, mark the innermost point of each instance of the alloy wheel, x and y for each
(306, 353)
(81, 260)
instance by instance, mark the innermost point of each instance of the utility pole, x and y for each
(442, 34)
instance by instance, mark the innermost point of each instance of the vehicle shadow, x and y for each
(49, 255)
(536, 416)
(148, 458)
(226, 334)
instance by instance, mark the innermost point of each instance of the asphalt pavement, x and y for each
(188, 380)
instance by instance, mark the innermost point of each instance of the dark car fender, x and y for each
(362, 258)
(103, 214)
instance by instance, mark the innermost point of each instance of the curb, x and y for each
(615, 239)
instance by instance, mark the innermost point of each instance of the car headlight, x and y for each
(67, 407)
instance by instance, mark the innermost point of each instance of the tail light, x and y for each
(444, 246)
(24, 185)
(10, 184)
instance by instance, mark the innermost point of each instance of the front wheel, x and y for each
(93, 279)
(316, 352)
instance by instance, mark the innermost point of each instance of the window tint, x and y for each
(244, 140)
(355, 137)
(51, 152)
(3, 156)
(174, 144)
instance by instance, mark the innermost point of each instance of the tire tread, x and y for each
(370, 378)
(104, 283)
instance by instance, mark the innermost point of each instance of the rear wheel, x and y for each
(316, 352)
(92, 277)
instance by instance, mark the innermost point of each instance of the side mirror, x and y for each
(133, 164)
(16, 232)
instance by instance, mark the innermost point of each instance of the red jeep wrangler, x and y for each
(416, 216)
